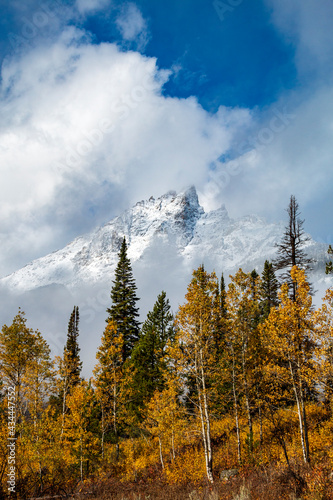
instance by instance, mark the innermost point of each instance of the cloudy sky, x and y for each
(106, 102)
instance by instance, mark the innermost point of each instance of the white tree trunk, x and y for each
(299, 410)
(161, 455)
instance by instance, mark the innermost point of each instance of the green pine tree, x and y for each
(70, 365)
(269, 290)
(329, 265)
(148, 355)
(223, 295)
(123, 310)
(72, 348)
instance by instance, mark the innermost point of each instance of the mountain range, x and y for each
(167, 238)
(176, 221)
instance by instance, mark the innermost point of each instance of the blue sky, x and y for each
(227, 57)
(107, 102)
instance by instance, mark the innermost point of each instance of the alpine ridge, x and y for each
(175, 221)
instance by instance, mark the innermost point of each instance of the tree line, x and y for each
(240, 375)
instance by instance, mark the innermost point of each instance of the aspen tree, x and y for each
(77, 436)
(164, 418)
(324, 335)
(288, 335)
(17, 342)
(196, 348)
(38, 379)
(39, 384)
(108, 377)
(242, 344)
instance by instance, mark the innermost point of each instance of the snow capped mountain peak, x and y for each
(173, 221)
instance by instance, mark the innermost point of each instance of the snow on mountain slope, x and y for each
(175, 220)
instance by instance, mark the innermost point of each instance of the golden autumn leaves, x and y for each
(239, 387)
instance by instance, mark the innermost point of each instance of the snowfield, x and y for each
(174, 221)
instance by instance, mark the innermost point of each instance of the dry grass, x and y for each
(270, 483)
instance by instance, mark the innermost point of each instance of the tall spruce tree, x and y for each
(269, 290)
(148, 354)
(290, 250)
(72, 348)
(69, 366)
(223, 295)
(123, 311)
(329, 265)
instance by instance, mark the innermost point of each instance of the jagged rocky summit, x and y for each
(173, 221)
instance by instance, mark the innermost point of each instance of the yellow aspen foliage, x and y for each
(287, 336)
(165, 421)
(63, 383)
(3, 448)
(194, 350)
(78, 438)
(323, 318)
(38, 380)
(108, 380)
(189, 467)
(244, 353)
(17, 343)
(41, 454)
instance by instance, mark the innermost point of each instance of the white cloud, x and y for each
(84, 131)
(287, 155)
(132, 25)
(88, 6)
(307, 25)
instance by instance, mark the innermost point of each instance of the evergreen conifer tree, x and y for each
(123, 310)
(70, 366)
(329, 265)
(223, 295)
(254, 275)
(148, 354)
(72, 348)
(269, 289)
(290, 250)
